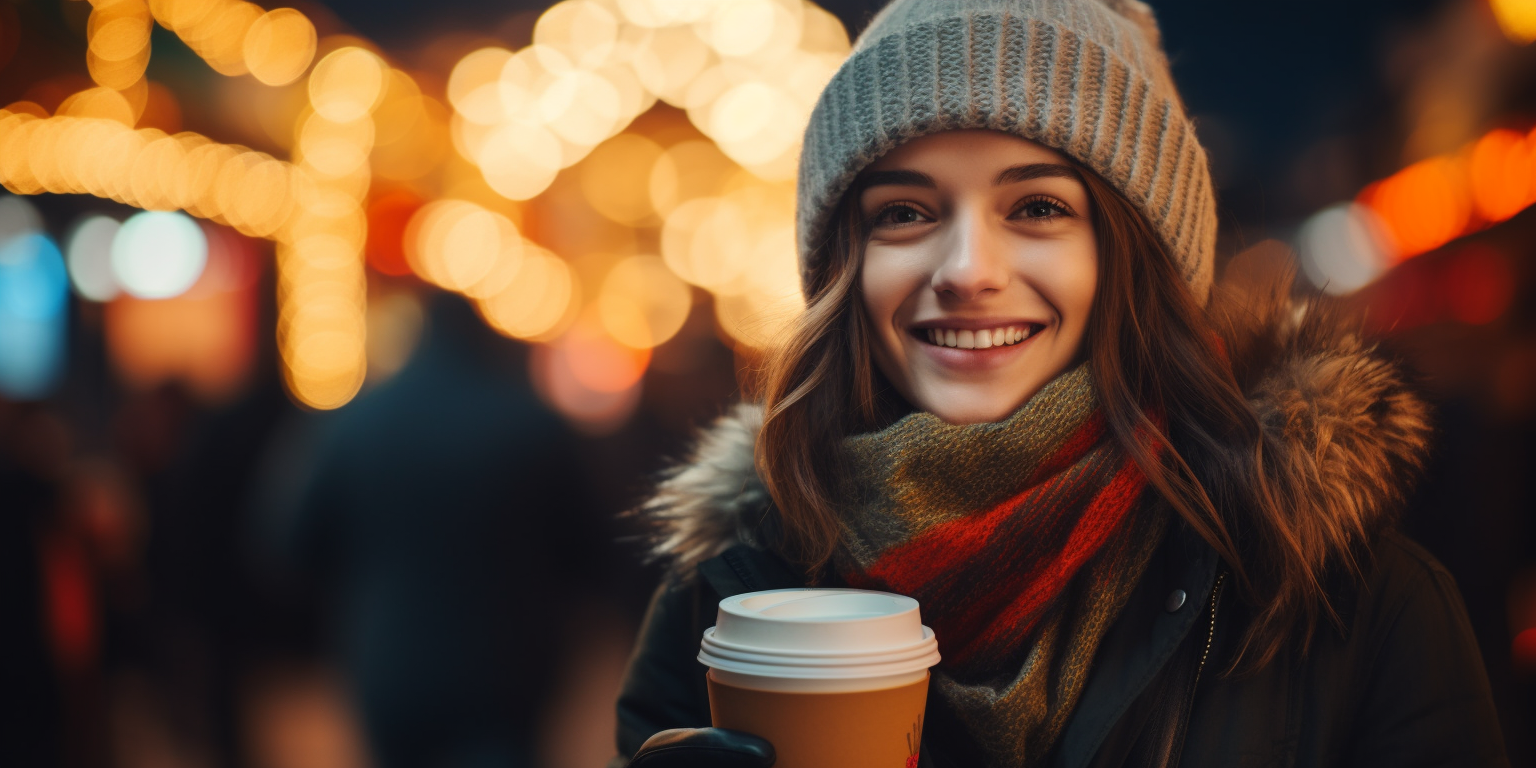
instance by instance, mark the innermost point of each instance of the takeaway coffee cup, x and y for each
(834, 678)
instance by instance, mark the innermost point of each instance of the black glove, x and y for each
(703, 748)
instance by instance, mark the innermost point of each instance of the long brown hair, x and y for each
(1151, 349)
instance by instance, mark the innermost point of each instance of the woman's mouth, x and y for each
(981, 338)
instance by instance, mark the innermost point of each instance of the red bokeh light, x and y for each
(1479, 285)
(388, 215)
(1523, 649)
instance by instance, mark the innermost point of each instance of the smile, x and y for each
(984, 338)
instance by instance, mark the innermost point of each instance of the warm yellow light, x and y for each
(822, 33)
(583, 30)
(265, 200)
(120, 38)
(347, 84)
(460, 246)
(42, 155)
(538, 303)
(15, 139)
(615, 179)
(669, 59)
(420, 149)
(580, 107)
(335, 149)
(279, 46)
(473, 88)
(688, 170)
(740, 27)
(153, 173)
(105, 103)
(705, 241)
(664, 13)
(399, 110)
(758, 320)
(179, 14)
(1517, 18)
(642, 304)
(520, 160)
(200, 195)
(222, 44)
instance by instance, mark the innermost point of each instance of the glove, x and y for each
(703, 748)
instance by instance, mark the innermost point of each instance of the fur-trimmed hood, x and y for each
(1344, 432)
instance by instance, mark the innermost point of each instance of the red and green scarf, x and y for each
(1021, 539)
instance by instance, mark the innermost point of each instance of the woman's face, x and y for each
(979, 270)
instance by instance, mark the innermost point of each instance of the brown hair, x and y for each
(1151, 350)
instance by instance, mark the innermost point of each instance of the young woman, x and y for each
(1150, 523)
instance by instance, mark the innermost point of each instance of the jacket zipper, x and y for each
(1210, 636)
(1175, 754)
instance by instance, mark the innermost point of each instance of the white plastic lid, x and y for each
(819, 634)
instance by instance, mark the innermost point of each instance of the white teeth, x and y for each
(982, 339)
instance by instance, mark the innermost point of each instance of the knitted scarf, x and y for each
(1021, 539)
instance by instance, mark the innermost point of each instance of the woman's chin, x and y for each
(971, 408)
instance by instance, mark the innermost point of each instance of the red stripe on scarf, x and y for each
(1027, 553)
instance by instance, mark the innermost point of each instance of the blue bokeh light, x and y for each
(34, 299)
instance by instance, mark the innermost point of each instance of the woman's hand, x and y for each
(703, 748)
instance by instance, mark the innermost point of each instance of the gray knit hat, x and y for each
(1085, 77)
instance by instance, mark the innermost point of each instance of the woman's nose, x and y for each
(973, 261)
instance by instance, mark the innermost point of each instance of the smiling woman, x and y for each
(1150, 523)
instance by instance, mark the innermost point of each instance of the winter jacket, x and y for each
(1398, 681)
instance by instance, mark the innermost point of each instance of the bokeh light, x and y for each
(34, 288)
(642, 303)
(592, 381)
(1343, 248)
(90, 258)
(615, 179)
(347, 84)
(1502, 172)
(204, 337)
(1517, 18)
(538, 303)
(158, 254)
(1479, 284)
(279, 46)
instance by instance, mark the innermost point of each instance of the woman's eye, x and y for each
(1041, 209)
(898, 215)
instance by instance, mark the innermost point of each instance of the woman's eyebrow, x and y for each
(902, 178)
(1020, 173)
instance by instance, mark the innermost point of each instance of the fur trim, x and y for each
(706, 504)
(1344, 435)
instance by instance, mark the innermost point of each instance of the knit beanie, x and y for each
(1087, 78)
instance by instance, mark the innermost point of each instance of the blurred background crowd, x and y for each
(334, 338)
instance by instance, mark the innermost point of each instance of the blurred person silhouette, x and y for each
(445, 515)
